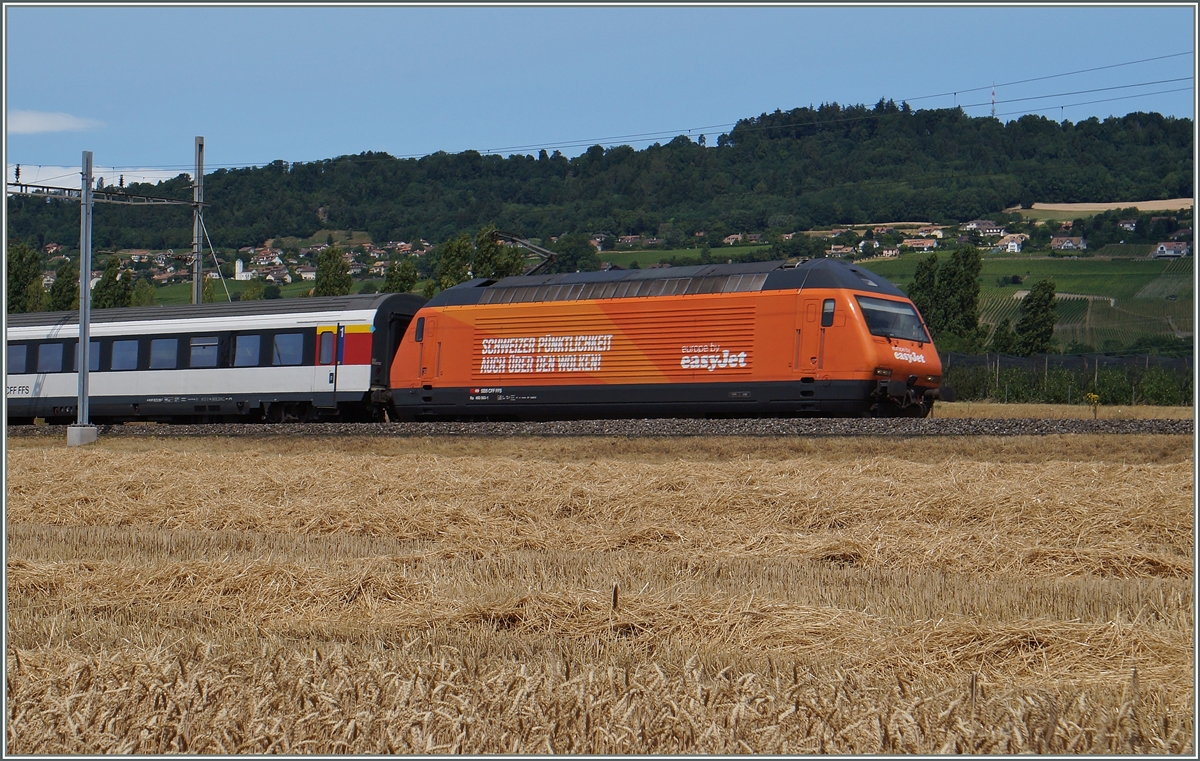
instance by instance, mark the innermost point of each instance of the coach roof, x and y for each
(404, 303)
(704, 278)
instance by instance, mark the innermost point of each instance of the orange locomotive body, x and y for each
(744, 340)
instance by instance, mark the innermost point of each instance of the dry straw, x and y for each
(601, 596)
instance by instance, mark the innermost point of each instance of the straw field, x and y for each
(601, 595)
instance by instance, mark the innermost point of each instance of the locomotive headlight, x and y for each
(883, 371)
(935, 379)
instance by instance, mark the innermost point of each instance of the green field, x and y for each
(1142, 289)
(1061, 215)
(1123, 250)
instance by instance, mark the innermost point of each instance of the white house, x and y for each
(240, 272)
(1012, 243)
(920, 244)
(1067, 243)
(307, 273)
(1171, 248)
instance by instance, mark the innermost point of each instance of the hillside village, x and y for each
(276, 263)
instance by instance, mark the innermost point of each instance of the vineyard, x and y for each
(1153, 296)
(601, 595)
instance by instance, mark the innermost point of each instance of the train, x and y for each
(821, 337)
(281, 360)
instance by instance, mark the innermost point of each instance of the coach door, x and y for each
(325, 380)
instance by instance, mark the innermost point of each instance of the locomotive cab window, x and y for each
(245, 351)
(50, 358)
(892, 319)
(289, 349)
(827, 313)
(420, 334)
(16, 359)
(164, 353)
(204, 351)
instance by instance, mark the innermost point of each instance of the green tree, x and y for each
(958, 292)
(401, 276)
(1035, 324)
(924, 295)
(64, 294)
(112, 290)
(1004, 340)
(333, 274)
(369, 287)
(254, 290)
(36, 298)
(208, 291)
(493, 260)
(454, 263)
(143, 294)
(23, 266)
(272, 292)
(574, 254)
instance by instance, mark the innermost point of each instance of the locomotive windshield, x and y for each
(893, 319)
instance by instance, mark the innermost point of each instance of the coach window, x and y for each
(420, 334)
(204, 352)
(289, 349)
(16, 359)
(93, 355)
(326, 344)
(164, 353)
(827, 313)
(124, 355)
(50, 358)
(245, 351)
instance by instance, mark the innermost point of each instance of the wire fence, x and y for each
(1067, 379)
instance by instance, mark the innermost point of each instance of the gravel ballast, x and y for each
(651, 428)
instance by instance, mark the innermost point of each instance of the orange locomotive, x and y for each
(730, 340)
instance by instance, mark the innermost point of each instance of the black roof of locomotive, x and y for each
(401, 302)
(815, 273)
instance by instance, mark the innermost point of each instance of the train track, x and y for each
(900, 427)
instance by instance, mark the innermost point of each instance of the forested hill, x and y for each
(783, 171)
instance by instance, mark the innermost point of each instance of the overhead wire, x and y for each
(1051, 76)
(1079, 92)
(216, 261)
(1103, 100)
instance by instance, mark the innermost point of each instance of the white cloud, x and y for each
(36, 122)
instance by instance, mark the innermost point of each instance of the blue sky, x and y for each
(135, 85)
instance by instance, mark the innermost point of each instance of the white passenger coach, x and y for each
(277, 360)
